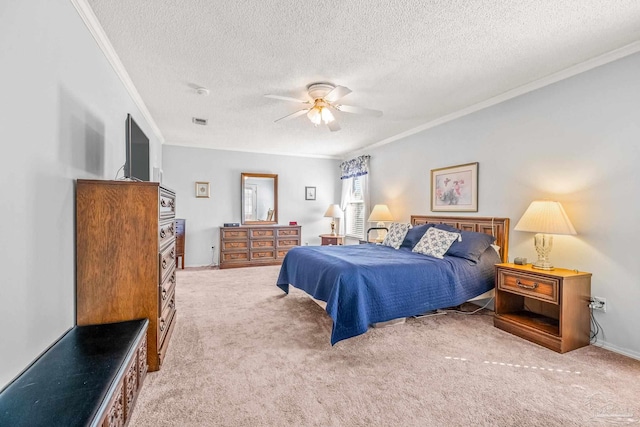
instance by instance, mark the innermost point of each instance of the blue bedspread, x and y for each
(366, 284)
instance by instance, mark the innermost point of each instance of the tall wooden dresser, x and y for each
(255, 245)
(126, 258)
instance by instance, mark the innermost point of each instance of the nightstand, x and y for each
(332, 239)
(550, 308)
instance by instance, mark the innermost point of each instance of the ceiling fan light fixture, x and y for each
(315, 115)
(327, 116)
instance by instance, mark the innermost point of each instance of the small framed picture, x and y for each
(455, 188)
(309, 193)
(202, 189)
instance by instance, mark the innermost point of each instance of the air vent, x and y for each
(198, 121)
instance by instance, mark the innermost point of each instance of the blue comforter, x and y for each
(366, 284)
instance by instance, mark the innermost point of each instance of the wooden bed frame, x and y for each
(497, 227)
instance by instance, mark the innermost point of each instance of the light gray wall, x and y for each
(62, 117)
(576, 141)
(184, 166)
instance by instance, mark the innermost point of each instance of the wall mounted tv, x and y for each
(136, 166)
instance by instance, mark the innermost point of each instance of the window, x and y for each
(355, 211)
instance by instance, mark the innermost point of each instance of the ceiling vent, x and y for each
(198, 121)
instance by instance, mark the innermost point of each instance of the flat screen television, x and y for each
(136, 166)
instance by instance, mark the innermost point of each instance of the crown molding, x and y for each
(574, 70)
(91, 21)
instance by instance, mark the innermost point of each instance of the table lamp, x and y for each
(380, 214)
(333, 212)
(544, 217)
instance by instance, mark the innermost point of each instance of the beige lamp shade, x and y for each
(333, 211)
(380, 213)
(545, 217)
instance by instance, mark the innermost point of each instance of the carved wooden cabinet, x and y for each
(90, 377)
(249, 246)
(126, 258)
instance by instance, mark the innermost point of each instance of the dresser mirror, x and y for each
(259, 198)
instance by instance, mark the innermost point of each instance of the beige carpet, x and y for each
(243, 354)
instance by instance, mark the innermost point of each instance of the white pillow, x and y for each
(396, 234)
(436, 242)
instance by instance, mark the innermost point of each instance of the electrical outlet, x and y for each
(599, 303)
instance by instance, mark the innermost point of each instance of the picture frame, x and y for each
(202, 189)
(309, 193)
(455, 188)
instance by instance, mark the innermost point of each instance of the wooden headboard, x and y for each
(497, 227)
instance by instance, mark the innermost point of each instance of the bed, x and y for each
(367, 284)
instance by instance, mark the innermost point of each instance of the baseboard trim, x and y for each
(616, 349)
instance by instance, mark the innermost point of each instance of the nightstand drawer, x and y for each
(529, 285)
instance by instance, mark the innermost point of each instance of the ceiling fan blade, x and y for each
(358, 110)
(293, 115)
(287, 98)
(337, 93)
(333, 126)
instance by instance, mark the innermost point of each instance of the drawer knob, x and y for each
(523, 286)
(164, 294)
(162, 233)
(162, 325)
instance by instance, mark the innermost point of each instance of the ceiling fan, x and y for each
(323, 99)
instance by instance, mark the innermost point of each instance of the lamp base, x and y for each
(542, 265)
(380, 234)
(543, 243)
(333, 228)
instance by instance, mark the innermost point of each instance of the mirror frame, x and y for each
(243, 177)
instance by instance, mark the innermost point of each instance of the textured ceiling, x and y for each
(416, 60)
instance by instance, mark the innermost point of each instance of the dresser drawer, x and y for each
(263, 254)
(166, 232)
(529, 285)
(288, 243)
(167, 261)
(235, 256)
(163, 340)
(167, 316)
(289, 232)
(167, 204)
(262, 244)
(231, 245)
(262, 232)
(235, 233)
(281, 252)
(167, 289)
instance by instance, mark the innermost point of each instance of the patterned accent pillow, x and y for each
(436, 242)
(395, 235)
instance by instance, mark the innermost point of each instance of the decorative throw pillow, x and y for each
(436, 242)
(471, 245)
(395, 235)
(414, 235)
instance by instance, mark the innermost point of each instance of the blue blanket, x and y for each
(366, 284)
